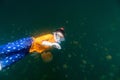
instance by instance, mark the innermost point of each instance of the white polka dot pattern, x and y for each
(14, 51)
(16, 46)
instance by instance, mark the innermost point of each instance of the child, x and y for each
(14, 51)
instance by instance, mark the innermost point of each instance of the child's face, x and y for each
(60, 36)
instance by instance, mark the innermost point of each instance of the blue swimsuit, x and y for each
(14, 51)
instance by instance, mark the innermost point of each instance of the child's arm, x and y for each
(55, 45)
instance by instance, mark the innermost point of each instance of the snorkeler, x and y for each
(14, 51)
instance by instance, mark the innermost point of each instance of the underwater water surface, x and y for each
(91, 50)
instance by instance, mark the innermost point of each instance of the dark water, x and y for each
(91, 50)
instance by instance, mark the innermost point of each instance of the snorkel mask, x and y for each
(59, 38)
(59, 35)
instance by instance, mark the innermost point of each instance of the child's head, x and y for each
(59, 34)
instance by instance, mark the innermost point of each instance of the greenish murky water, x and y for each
(91, 50)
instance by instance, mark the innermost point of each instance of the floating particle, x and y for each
(75, 42)
(84, 34)
(36, 56)
(47, 56)
(7, 74)
(84, 18)
(113, 65)
(29, 61)
(69, 55)
(102, 47)
(81, 55)
(80, 46)
(96, 48)
(13, 24)
(82, 66)
(84, 61)
(65, 66)
(85, 78)
(82, 23)
(111, 74)
(67, 21)
(66, 76)
(25, 78)
(103, 77)
(92, 66)
(108, 57)
(44, 77)
(74, 54)
(80, 37)
(12, 37)
(58, 68)
(53, 69)
(118, 54)
(106, 49)
(95, 44)
(113, 29)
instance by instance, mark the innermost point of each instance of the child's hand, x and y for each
(56, 45)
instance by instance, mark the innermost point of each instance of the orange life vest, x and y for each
(37, 43)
